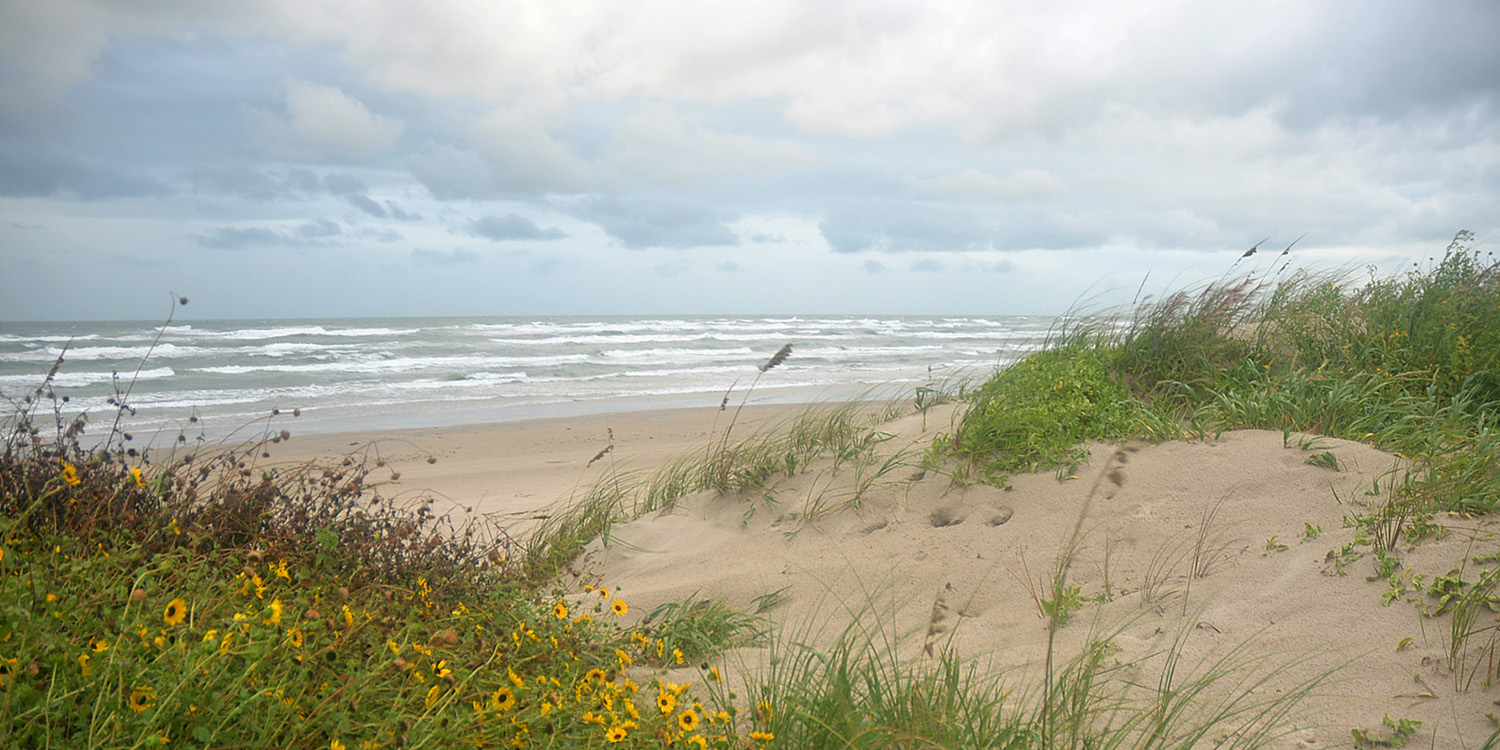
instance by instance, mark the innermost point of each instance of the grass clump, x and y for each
(1037, 412)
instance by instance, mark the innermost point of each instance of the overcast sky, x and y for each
(291, 158)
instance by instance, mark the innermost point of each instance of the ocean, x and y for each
(217, 376)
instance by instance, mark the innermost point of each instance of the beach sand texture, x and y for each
(1211, 544)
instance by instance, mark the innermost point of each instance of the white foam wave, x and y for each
(65, 379)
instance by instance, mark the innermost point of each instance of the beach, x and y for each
(512, 471)
(1224, 551)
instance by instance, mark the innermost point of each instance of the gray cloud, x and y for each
(366, 204)
(236, 180)
(660, 222)
(342, 184)
(236, 238)
(318, 231)
(40, 169)
(395, 212)
(512, 227)
(902, 226)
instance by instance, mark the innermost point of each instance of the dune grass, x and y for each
(1409, 364)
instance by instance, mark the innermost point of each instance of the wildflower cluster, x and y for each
(214, 600)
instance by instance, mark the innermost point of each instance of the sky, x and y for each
(323, 158)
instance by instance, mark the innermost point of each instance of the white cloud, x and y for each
(326, 118)
(328, 121)
(1022, 184)
(658, 147)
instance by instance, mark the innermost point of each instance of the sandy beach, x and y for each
(511, 470)
(1229, 548)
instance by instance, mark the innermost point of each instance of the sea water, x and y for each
(353, 374)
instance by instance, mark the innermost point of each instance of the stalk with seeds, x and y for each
(776, 359)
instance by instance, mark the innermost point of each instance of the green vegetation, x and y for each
(1410, 365)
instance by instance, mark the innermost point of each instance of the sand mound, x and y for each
(1232, 542)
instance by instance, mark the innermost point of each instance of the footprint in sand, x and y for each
(948, 516)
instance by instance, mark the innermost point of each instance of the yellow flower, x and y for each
(70, 473)
(100, 646)
(275, 617)
(515, 679)
(280, 570)
(83, 664)
(336, 745)
(176, 611)
(699, 741)
(688, 721)
(142, 698)
(624, 658)
(432, 695)
(294, 636)
(603, 593)
(620, 607)
(504, 699)
(616, 735)
(714, 673)
(135, 473)
(560, 611)
(762, 736)
(594, 675)
(666, 701)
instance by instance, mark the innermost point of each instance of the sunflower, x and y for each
(294, 637)
(762, 736)
(70, 473)
(620, 607)
(176, 611)
(617, 734)
(135, 473)
(504, 699)
(688, 721)
(560, 611)
(594, 675)
(142, 698)
(666, 701)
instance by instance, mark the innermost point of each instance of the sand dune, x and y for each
(1227, 543)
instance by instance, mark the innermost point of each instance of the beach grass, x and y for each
(1409, 364)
